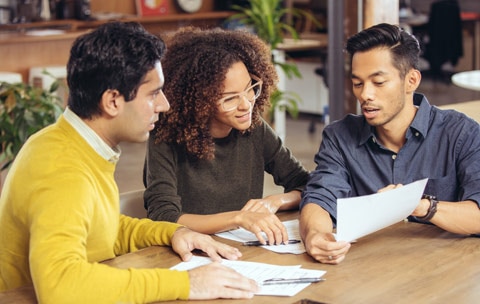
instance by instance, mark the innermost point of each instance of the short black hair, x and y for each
(404, 47)
(116, 55)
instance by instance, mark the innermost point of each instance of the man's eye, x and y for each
(357, 85)
(379, 83)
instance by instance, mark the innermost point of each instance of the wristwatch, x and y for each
(431, 210)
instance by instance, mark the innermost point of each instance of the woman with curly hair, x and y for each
(207, 156)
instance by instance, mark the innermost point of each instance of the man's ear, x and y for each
(412, 81)
(111, 102)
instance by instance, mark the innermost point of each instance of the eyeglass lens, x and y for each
(231, 102)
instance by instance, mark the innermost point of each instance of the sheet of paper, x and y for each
(362, 215)
(261, 272)
(293, 231)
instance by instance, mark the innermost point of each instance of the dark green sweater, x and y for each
(176, 183)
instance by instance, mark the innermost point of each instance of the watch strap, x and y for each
(432, 209)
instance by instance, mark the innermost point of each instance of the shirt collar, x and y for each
(419, 123)
(92, 138)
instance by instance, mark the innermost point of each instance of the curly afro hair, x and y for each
(195, 66)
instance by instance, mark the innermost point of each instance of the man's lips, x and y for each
(370, 112)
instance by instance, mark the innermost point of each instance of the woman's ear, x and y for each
(412, 81)
(111, 103)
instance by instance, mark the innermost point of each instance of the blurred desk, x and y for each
(406, 262)
(469, 108)
(468, 80)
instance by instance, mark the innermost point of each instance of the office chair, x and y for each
(131, 204)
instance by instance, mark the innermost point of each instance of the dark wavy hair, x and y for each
(195, 66)
(403, 46)
(115, 56)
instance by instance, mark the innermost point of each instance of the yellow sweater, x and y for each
(59, 216)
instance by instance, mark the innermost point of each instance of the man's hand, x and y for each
(315, 228)
(215, 281)
(323, 248)
(422, 207)
(185, 240)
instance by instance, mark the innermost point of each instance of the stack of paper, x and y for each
(261, 272)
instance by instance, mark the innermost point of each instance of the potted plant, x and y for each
(24, 109)
(268, 19)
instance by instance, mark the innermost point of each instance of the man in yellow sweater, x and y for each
(59, 208)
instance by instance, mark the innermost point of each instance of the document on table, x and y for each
(362, 215)
(293, 231)
(261, 272)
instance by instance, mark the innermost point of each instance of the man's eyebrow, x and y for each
(379, 73)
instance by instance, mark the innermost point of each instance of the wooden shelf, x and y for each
(72, 24)
(22, 50)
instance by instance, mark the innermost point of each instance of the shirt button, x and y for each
(373, 140)
(394, 156)
(417, 134)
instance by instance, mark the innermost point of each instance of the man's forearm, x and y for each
(314, 218)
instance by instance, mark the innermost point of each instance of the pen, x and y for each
(257, 243)
(292, 281)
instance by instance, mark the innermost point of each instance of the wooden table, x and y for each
(404, 263)
(470, 108)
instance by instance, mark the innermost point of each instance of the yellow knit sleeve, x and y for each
(134, 234)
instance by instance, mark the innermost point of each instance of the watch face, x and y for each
(190, 6)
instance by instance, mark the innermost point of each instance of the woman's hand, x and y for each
(273, 203)
(264, 205)
(263, 223)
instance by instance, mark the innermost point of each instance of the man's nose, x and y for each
(162, 104)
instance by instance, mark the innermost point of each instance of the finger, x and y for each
(217, 281)
(271, 228)
(386, 188)
(216, 250)
(280, 232)
(331, 259)
(241, 283)
(183, 250)
(259, 235)
(186, 256)
(222, 250)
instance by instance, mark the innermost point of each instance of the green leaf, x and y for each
(24, 110)
(268, 20)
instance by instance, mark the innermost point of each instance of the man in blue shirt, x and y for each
(398, 139)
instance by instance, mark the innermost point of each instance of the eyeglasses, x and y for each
(231, 102)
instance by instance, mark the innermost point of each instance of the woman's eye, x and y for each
(230, 99)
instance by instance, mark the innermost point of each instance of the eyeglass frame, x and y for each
(243, 94)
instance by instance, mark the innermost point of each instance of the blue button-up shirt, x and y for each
(442, 145)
